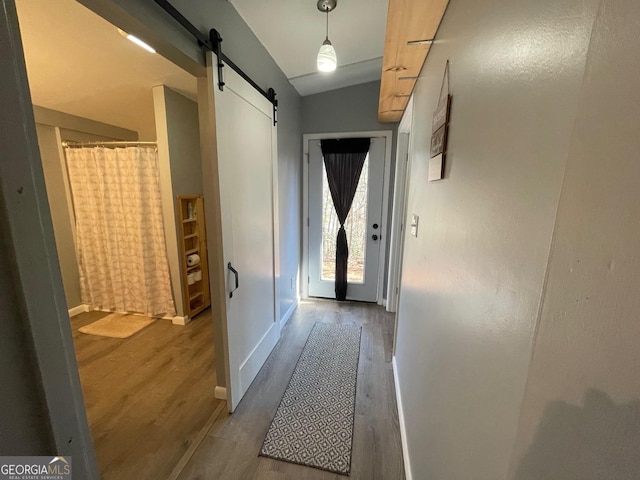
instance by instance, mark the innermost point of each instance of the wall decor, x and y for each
(435, 168)
(439, 141)
(440, 130)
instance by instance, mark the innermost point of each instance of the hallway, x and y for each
(230, 449)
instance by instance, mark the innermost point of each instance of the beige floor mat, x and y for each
(117, 325)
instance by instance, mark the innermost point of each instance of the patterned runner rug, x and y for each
(313, 425)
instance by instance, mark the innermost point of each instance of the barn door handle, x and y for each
(235, 273)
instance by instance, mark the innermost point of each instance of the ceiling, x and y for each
(293, 31)
(79, 64)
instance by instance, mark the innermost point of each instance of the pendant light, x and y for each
(327, 60)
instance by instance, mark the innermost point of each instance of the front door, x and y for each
(363, 227)
(246, 145)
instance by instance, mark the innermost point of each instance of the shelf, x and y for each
(197, 310)
(192, 298)
(193, 240)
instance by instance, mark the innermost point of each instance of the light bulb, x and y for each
(137, 41)
(140, 43)
(327, 60)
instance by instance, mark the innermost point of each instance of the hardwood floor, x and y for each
(230, 450)
(147, 396)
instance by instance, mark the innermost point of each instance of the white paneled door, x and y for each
(246, 146)
(363, 227)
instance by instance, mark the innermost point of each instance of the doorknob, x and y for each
(375, 237)
(375, 226)
(235, 273)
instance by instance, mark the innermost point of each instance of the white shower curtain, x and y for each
(119, 229)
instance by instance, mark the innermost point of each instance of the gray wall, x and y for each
(581, 413)
(23, 412)
(346, 109)
(60, 212)
(473, 278)
(517, 323)
(184, 143)
(178, 130)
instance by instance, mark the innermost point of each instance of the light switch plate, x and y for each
(414, 224)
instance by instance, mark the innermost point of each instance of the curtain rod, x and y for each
(66, 144)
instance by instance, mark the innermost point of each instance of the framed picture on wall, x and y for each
(439, 141)
(440, 130)
(441, 115)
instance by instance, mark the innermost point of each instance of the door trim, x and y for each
(403, 155)
(388, 135)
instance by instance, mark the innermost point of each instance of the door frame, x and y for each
(398, 216)
(405, 127)
(388, 135)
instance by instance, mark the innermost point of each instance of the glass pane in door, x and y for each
(355, 227)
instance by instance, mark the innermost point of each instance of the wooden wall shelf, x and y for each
(409, 23)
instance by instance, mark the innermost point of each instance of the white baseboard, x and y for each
(254, 361)
(77, 310)
(86, 308)
(220, 393)
(179, 320)
(285, 318)
(403, 429)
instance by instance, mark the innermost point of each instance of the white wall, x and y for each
(472, 280)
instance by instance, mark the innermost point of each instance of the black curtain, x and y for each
(343, 161)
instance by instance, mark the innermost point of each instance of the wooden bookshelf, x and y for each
(193, 240)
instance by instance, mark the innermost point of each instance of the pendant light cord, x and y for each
(327, 37)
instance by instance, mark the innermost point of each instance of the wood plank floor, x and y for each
(230, 450)
(147, 396)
